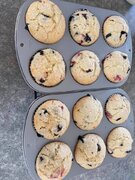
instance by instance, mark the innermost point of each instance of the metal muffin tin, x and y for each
(32, 143)
(26, 46)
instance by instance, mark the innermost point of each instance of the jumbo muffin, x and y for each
(51, 119)
(116, 66)
(84, 27)
(115, 31)
(117, 108)
(85, 67)
(90, 151)
(47, 67)
(45, 21)
(119, 142)
(87, 113)
(54, 161)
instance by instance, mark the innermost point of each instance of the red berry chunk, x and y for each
(108, 115)
(117, 78)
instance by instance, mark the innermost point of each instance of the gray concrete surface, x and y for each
(15, 98)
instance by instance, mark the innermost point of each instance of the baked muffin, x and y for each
(116, 66)
(85, 67)
(54, 161)
(90, 151)
(45, 21)
(51, 119)
(87, 113)
(47, 67)
(117, 109)
(115, 31)
(84, 27)
(119, 142)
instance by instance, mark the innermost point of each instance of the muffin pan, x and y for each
(32, 143)
(27, 46)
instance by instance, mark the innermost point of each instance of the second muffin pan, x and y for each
(33, 143)
(27, 46)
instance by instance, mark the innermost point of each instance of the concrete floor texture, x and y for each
(16, 96)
